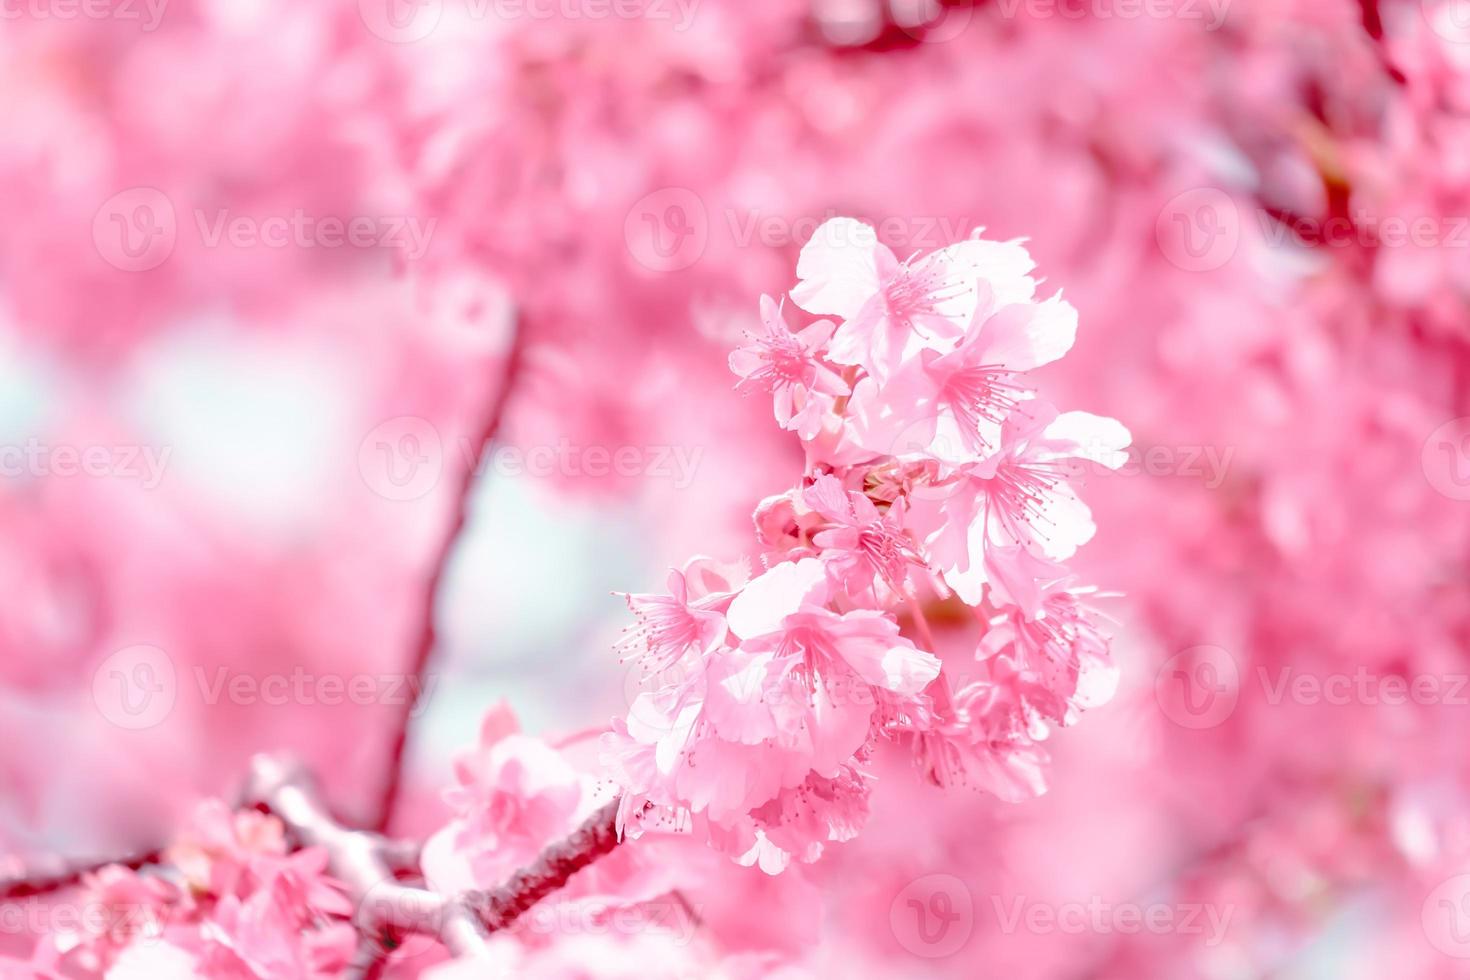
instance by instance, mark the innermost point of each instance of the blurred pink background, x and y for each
(269, 271)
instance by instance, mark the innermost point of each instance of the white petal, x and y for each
(1092, 437)
(837, 268)
(1004, 266)
(770, 598)
(1026, 336)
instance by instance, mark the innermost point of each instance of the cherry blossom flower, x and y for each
(790, 366)
(134, 908)
(238, 906)
(784, 523)
(220, 845)
(1326, 367)
(796, 677)
(984, 741)
(1023, 495)
(689, 618)
(514, 794)
(858, 543)
(1061, 651)
(890, 309)
(951, 405)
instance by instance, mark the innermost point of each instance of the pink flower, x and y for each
(950, 405)
(982, 742)
(1060, 654)
(514, 795)
(689, 618)
(266, 935)
(132, 907)
(762, 697)
(1022, 495)
(939, 461)
(799, 822)
(859, 543)
(790, 366)
(818, 642)
(793, 705)
(784, 523)
(288, 920)
(220, 846)
(780, 611)
(889, 309)
(301, 884)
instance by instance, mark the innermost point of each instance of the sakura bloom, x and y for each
(935, 476)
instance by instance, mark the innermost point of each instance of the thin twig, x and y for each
(54, 874)
(358, 860)
(39, 878)
(424, 647)
(502, 906)
(367, 865)
(386, 907)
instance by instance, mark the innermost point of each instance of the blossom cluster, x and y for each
(231, 899)
(1169, 175)
(935, 476)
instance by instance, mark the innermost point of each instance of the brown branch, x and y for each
(502, 906)
(424, 646)
(359, 860)
(387, 909)
(40, 877)
(367, 865)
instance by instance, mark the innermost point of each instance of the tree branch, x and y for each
(40, 877)
(597, 836)
(424, 647)
(387, 909)
(368, 866)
